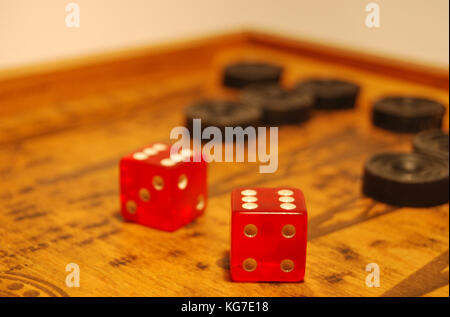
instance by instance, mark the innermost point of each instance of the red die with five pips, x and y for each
(160, 190)
(268, 235)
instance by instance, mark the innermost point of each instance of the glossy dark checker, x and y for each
(432, 142)
(407, 179)
(242, 74)
(407, 114)
(331, 94)
(223, 113)
(278, 105)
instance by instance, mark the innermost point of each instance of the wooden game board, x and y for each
(63, 128)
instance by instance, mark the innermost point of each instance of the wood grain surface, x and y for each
(63, 132)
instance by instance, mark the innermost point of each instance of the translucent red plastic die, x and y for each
(162, 191)
(268, 235)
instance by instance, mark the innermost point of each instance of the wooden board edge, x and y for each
(423, 74)
(126, 55)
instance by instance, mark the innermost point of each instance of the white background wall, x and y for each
(33, 31)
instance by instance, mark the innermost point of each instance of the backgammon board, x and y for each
(64, 128)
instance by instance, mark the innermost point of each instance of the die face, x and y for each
(161, 194)
(271, 200)
(268, 243)
(158, 155)
(277, 256)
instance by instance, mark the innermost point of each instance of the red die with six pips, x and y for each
(268, 235)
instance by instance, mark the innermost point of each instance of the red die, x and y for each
(268, 235)
(162, 191)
